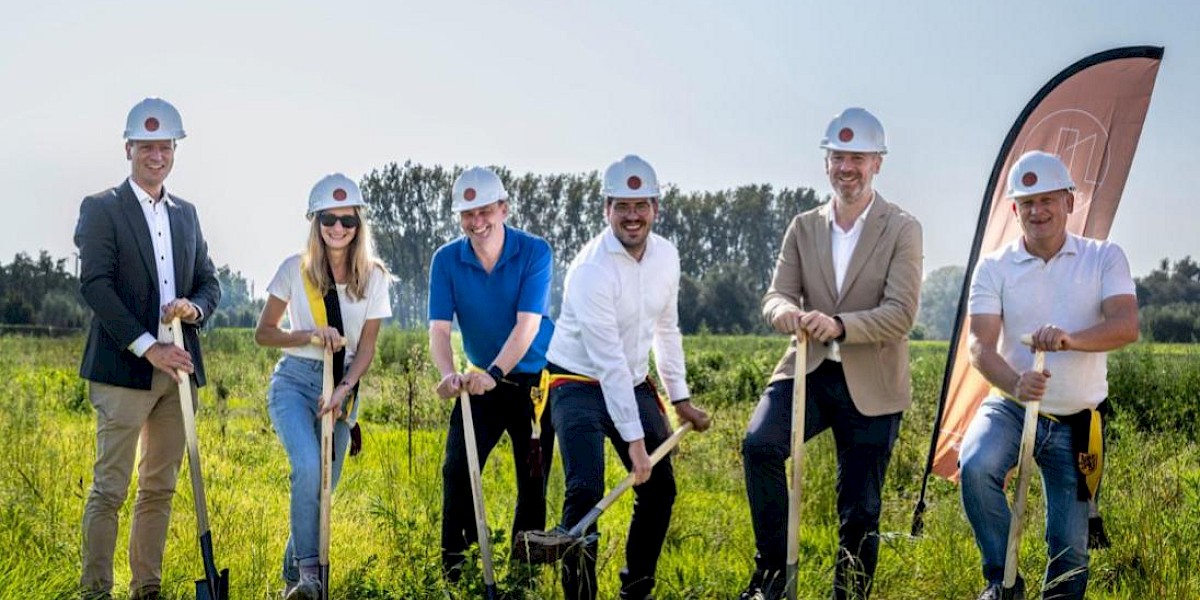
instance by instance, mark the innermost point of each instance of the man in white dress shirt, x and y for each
(621, 298)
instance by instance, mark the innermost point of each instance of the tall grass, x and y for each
(387, 509)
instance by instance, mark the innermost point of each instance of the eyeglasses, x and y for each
(624, 208)
(348, 221)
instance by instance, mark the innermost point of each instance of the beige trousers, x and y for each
(125, 416)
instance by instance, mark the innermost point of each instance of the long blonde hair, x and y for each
(361, 253)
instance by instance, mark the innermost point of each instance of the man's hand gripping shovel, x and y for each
(215, 585)
(1024, 470)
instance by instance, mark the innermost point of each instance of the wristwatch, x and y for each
(496, 373)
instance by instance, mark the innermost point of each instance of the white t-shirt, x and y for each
(1067, 292)
(288, 285)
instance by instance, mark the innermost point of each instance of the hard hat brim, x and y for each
(458, 208)
(1015, 195)
(133, 137)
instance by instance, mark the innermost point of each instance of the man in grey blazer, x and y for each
(144, 261)
(849, 276)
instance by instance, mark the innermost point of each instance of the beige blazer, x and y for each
(877, 303)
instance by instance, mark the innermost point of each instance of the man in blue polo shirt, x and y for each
(496, 280)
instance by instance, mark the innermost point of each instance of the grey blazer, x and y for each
(117, 280)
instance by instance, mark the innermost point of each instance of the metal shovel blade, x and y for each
(543, 547)
(205, 590)
(215, 585)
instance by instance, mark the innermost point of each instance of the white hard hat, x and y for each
(630, 177)
(333, 191)
(154, 119)
(855, 130)
(476, 187)
(1038, 172)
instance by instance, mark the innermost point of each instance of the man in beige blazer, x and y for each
(849, 276)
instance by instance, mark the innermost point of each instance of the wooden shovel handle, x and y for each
(316, 341)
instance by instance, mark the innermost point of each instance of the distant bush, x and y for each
(1157, 388)
(1178, 322)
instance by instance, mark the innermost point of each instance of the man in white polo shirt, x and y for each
(1076, 298)
(621, 297)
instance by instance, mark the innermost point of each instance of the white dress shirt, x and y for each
(844, 243)
(614, 309)
(159, 222)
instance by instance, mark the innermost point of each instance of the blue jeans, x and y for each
(292, 405)
(989, 451)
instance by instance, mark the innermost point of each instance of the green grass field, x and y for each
(387, 509)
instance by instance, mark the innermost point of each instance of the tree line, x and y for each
(42, 295)
(728, 241)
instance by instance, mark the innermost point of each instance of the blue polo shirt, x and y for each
(487, 304)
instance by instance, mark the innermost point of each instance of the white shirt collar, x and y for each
(1070, 246)
(144, 196)
(862, 218)
(612, 245)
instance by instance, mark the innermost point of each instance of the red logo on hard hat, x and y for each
(846, 134)
(469, 194)
(151, 124)
(634, 182)
(339, 194)
(1029, 179)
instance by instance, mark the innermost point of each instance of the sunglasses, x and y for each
(348, 221)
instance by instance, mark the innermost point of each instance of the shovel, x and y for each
(326, 467)
(545, 547)
(215, 585)
(1024, 470)
(485, 546)
(799, 397)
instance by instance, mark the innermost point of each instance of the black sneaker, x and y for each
(452, 566)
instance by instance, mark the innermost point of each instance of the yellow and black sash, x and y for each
(1087, 440)
(327, 312)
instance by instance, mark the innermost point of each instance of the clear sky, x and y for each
(715, 94)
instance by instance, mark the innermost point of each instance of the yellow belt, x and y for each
(550, 381)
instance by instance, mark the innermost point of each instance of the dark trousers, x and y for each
(864, 446)
(582, 421)
(507, 407)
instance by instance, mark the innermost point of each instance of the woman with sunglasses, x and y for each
(337, 288)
